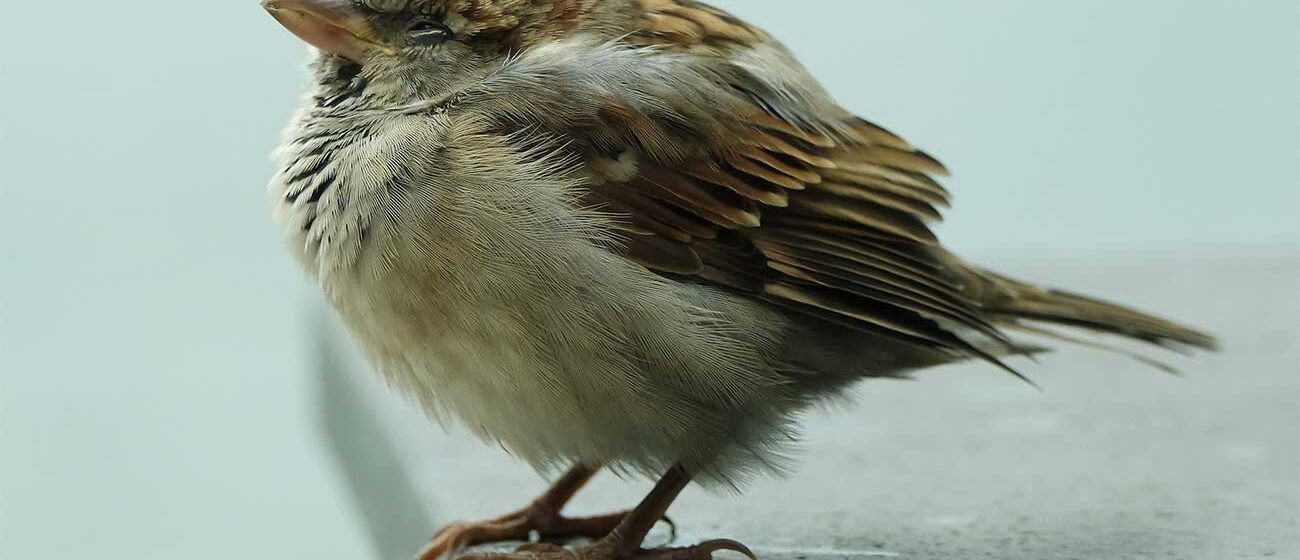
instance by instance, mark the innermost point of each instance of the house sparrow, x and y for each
(631, 234)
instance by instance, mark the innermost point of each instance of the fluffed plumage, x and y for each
(633, 233)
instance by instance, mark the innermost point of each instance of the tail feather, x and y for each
(1048, 333)
(1014, 301)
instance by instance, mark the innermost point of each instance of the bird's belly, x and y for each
(483, 368)
(543, 384)
(618, 376)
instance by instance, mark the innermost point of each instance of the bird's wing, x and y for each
(803, 204)
(730, 165)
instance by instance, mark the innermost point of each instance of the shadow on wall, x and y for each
(384, 495)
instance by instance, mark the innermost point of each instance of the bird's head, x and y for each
(402, 50)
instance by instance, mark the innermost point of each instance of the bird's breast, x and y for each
(472, 280)
(323, 194)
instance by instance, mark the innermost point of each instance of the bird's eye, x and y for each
(427, 32)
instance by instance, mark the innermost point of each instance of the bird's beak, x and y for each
(338, 27)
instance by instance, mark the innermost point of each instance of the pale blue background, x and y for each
(153, 335)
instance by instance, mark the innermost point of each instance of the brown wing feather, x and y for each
(687, 24)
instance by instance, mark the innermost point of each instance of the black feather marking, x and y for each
(321, 188)
(311, 171)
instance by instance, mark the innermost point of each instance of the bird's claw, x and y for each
(606, 550)
(701, 551)
(728, 544)
(672, 527)
(519, 526)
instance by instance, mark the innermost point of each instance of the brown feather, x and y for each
(911, 205)
(850, 167)
(880, 315)
(714, 205)
(754, 190)
(802, 175)
(876, 285)
(662, 254)
(640, 205)
(922, 194)
(772, 143)
(908, 160)
(875, 216)
(876, 134)
(861, 262)
(771, 122)
(749, 167)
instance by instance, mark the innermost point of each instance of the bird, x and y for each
(626, 235)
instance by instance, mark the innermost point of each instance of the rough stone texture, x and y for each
(1114, 460)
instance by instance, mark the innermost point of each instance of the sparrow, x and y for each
(634, 235)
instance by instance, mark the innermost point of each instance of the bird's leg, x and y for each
(542, 516)
(624, 541)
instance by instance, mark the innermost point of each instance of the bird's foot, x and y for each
(613, 547)
(539, 519)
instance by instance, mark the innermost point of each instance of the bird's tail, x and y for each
(1017, 305)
